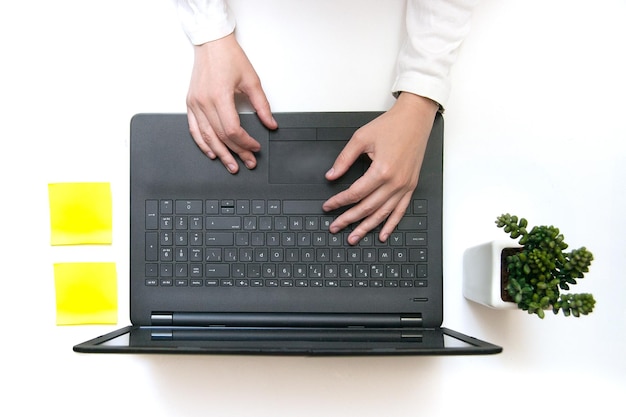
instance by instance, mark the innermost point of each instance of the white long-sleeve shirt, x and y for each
(435, 30)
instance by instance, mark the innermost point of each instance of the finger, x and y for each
(261, 105)
(221, 151)
(197, 135)
(361, 188)
(367, 199)
(348, 155)
(396, 216)
(234, 136)
(220, 139)
(209, 136)
(369, 222)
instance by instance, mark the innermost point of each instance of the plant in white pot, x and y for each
(531, 275)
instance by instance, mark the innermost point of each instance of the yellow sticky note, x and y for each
(80, 213)
(86, 293)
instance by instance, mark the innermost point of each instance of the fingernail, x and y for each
(353, 240)
(249, 164)
(330, 171)
(231, 168)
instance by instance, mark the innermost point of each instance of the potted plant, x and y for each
(530, 275)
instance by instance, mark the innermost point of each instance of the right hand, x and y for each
(221, 70)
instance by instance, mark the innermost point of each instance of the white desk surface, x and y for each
(535, 126)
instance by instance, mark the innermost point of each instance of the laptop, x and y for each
(245, 264)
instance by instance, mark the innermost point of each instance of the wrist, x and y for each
(417, 103)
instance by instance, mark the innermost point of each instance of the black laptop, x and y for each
(245, 263)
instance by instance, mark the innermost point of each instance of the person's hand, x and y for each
(395, 142)
(221, 70)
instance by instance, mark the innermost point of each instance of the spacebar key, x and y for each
(303, 207)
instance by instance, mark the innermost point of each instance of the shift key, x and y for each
(222, 223)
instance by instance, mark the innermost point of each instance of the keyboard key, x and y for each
(212, 207)
(152, 270)
(413, 223)
(217, 271)
(273, 207)
(418, 255)
(195, 223)
(220, 239)
(303, 207)
(166, 254)
(152, 246)
(243, 207)
(223, 223)
(188, 206)
(181, 222)
(420, 206)
(416, 239)
(258, 206)
(152, 214)
(167, 222)
(166, 207)
(166, 270)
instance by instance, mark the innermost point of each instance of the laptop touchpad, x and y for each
(306, 162)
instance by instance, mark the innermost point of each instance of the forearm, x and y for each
(205, 20)
(434, 33)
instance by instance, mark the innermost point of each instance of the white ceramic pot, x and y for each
(481, 274)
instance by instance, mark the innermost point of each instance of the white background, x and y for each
(535, 126)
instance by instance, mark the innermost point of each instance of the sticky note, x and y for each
(80, 213)
(86, 293)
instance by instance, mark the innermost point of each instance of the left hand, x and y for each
(395, 142)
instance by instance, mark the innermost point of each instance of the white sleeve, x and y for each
(434, 33)
(205, 20)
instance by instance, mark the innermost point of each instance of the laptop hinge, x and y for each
(161, 319)
(286, 319)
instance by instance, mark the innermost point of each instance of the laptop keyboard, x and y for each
(276, 244)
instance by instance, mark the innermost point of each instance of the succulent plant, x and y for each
(541, 269)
